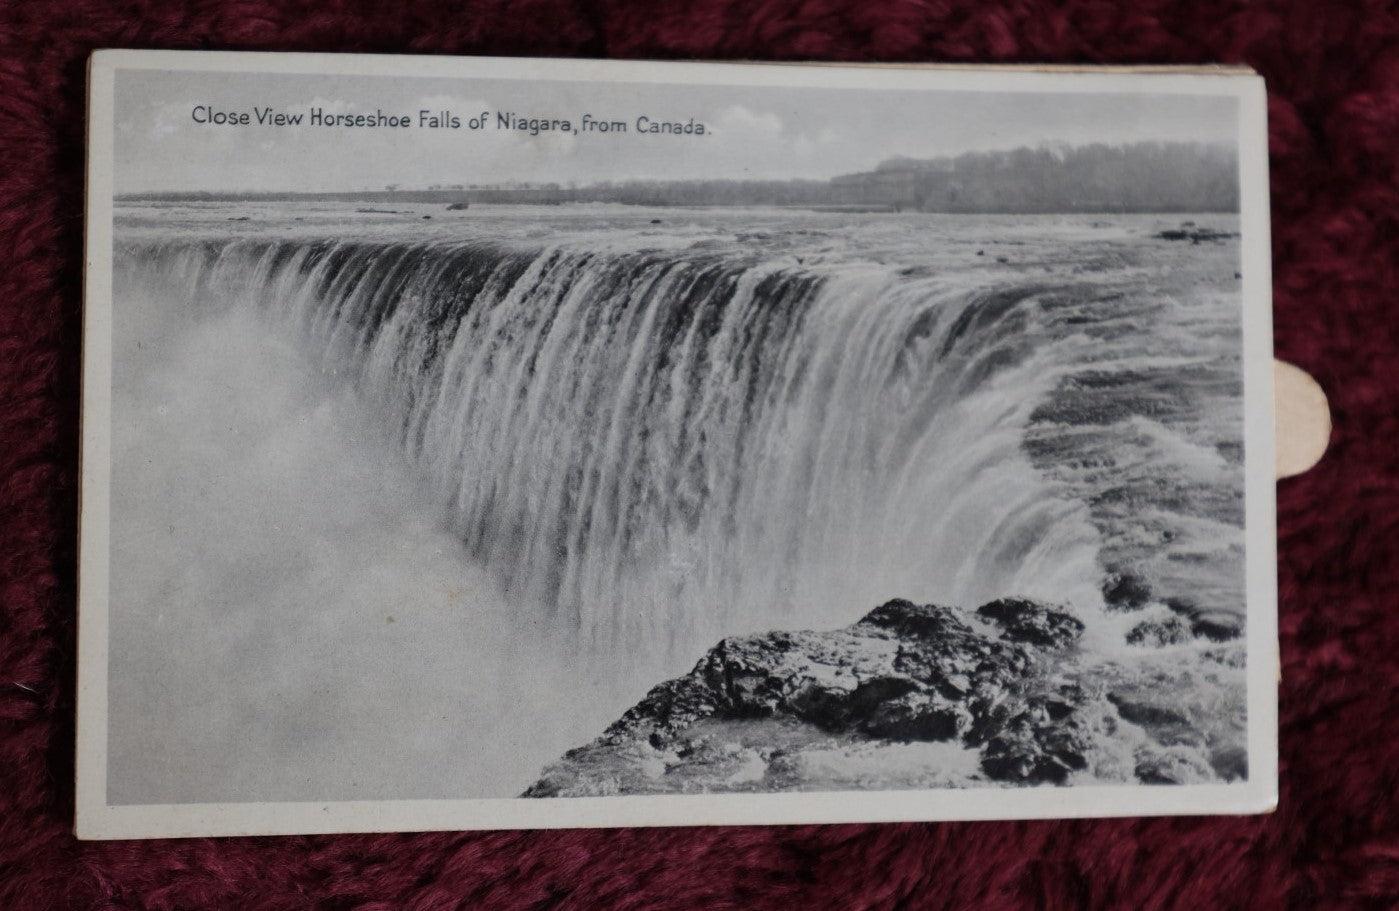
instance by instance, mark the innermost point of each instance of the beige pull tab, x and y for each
(1303, 420)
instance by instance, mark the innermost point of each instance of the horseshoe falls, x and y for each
(634, 432)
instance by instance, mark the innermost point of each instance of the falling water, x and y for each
(657, 448)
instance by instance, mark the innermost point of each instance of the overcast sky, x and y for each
(753, 132)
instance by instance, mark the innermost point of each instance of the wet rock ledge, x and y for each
(909, 696)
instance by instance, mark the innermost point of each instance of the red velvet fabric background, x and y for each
(1333, 75)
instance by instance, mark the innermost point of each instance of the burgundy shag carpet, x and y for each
(1333, 75)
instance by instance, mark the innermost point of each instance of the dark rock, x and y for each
(666, 710)
(545, 787)
(878, 691)
(1227, 655)
(1213, 624)
(1152, 773)
(905, 673)
(927, 623)
(1183, 606)
(1165, 723)
(1031, 751)
(458, 206)
(836, 709)
(1171, 631)
(1145, 714)
(1124, 590)
(1171, 767)
(918, 696)
(1195, 236)
(1219, 626)
(1029, 621)
(913, 716)
(1230, 763)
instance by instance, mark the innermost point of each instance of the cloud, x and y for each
(457, 104)
(740, 122)
(328, 105)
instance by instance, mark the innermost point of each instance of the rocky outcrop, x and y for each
(919, 696)
(1127, 591)
(1196, 235)
(909, 696)
(1160, 633)
(1214, 625)
(1124, 590)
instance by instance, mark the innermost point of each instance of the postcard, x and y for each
(507, 443)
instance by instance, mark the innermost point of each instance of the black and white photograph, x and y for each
(537, 443)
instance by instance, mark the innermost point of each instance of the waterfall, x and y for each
(658, 447)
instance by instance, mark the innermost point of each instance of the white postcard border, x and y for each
(96, 819)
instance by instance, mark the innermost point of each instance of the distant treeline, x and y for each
(1143, 177)
(1139, 177)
